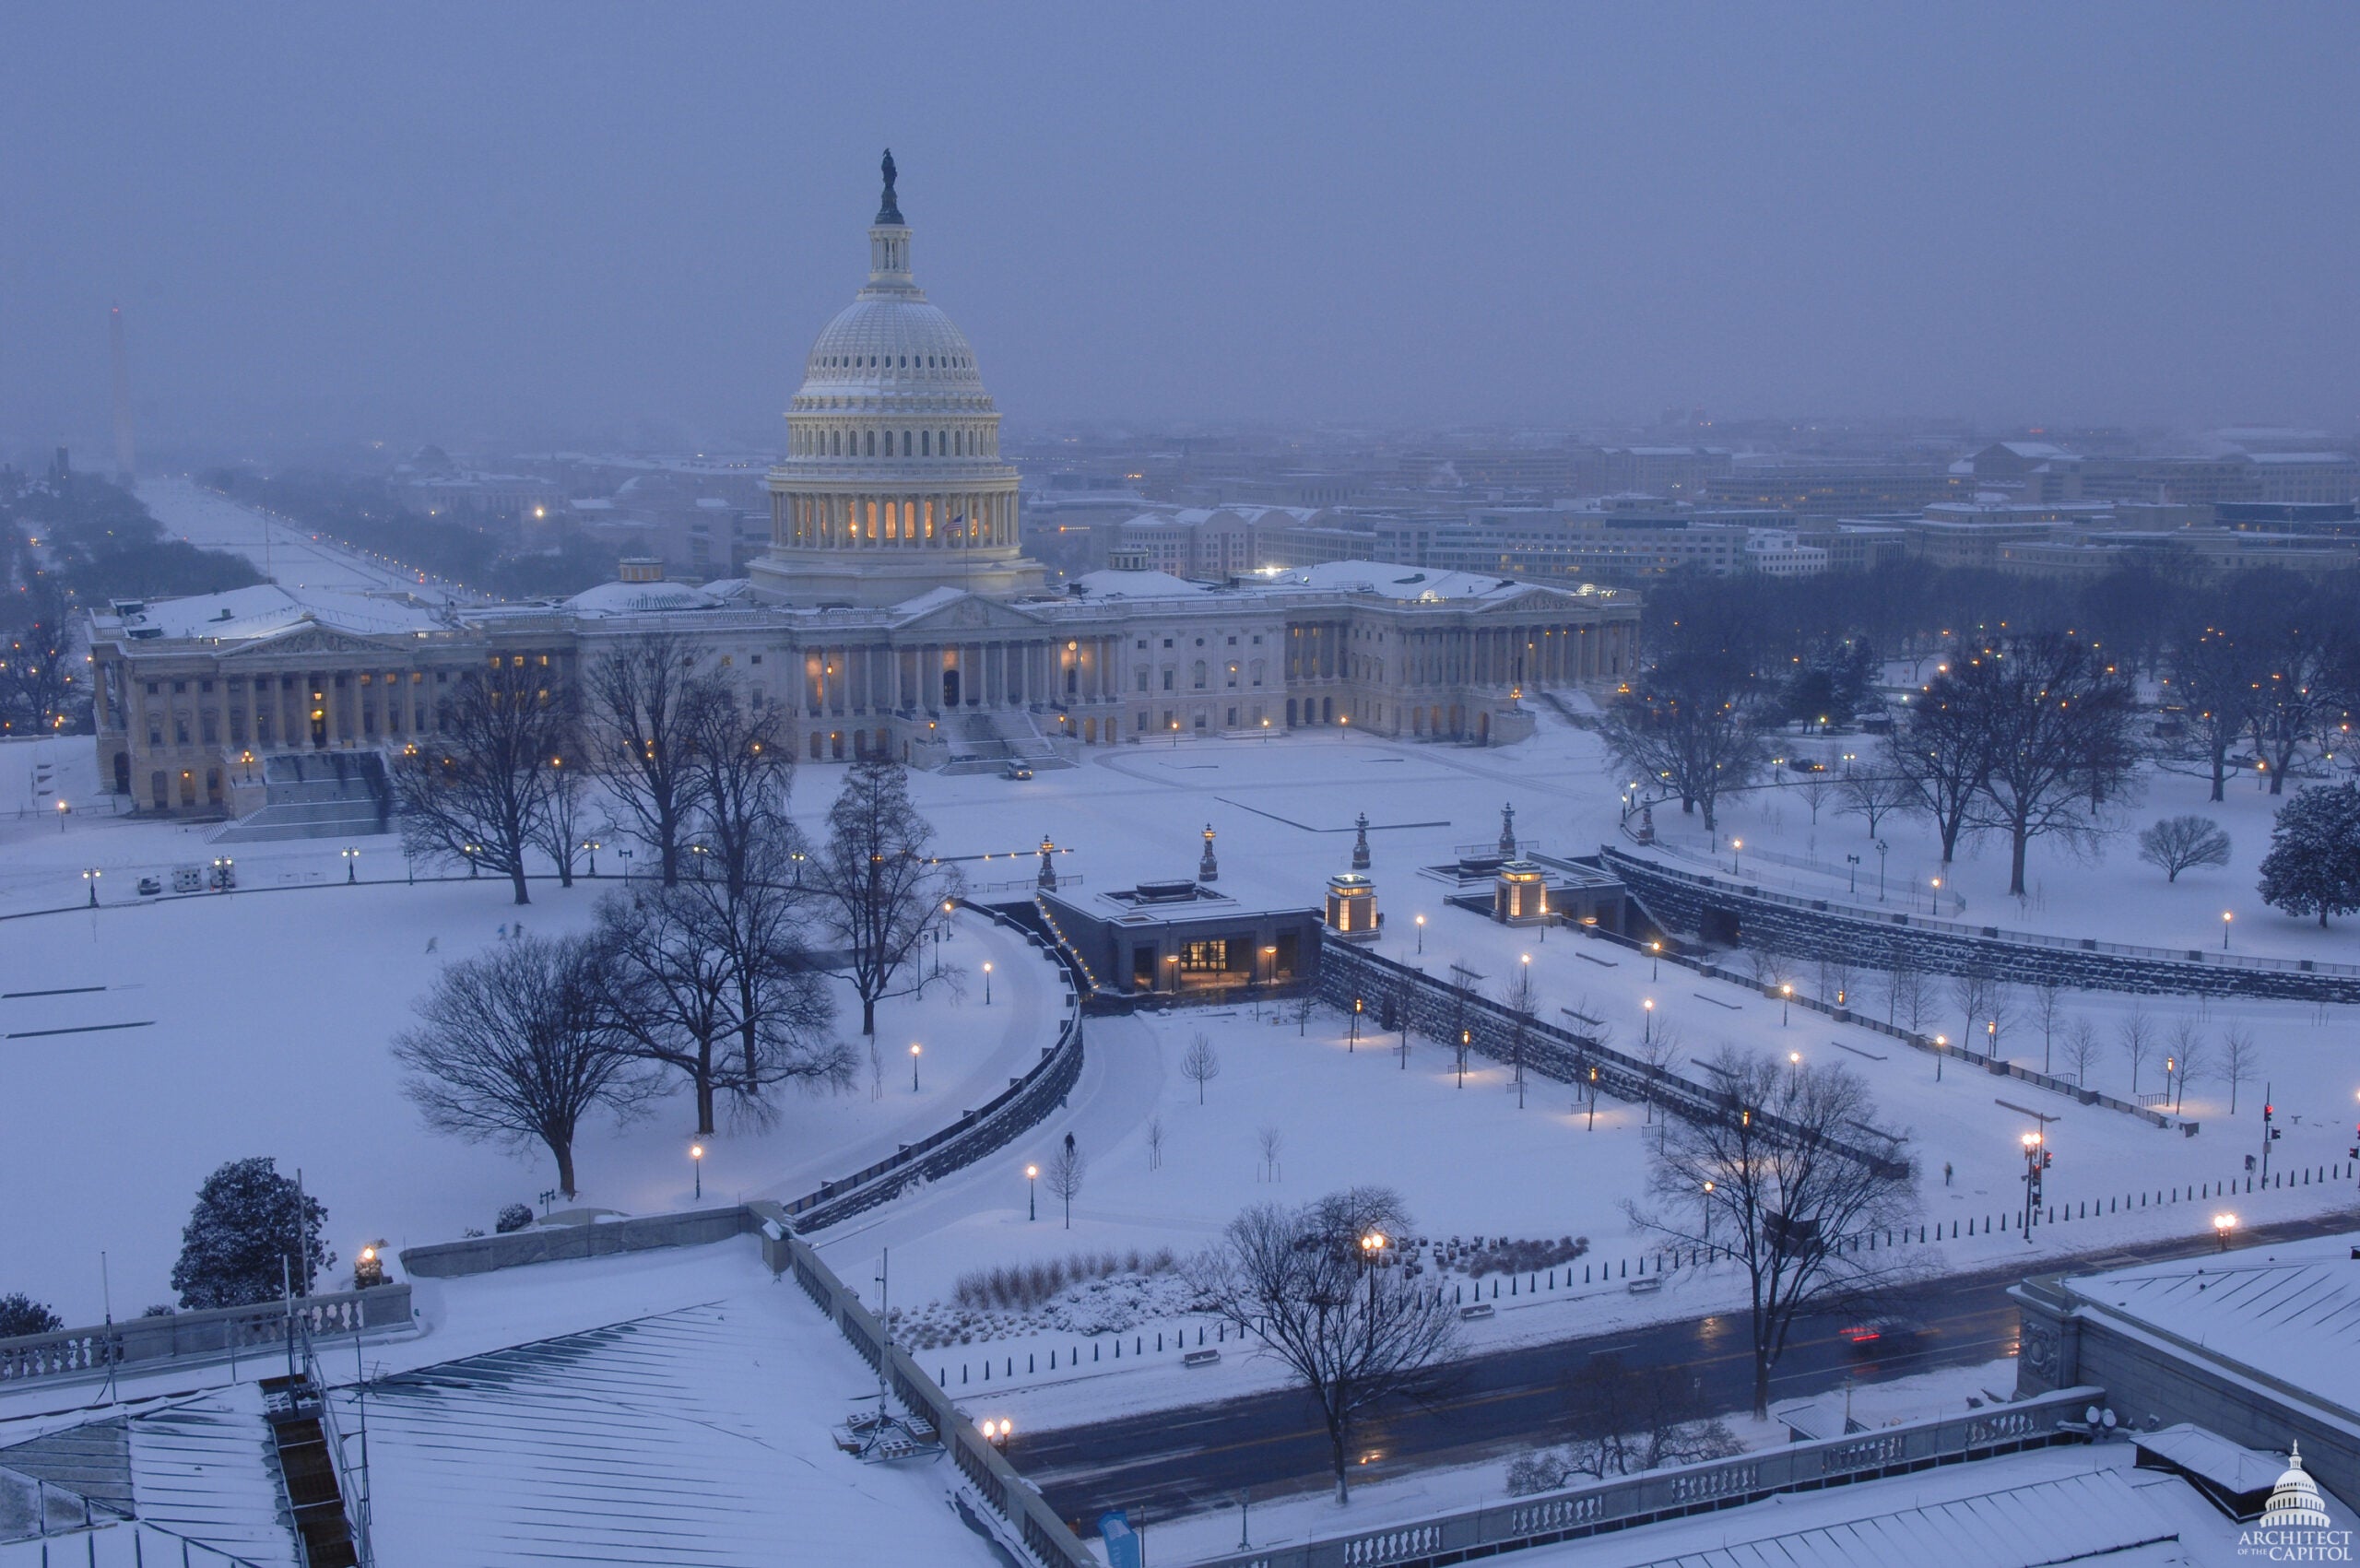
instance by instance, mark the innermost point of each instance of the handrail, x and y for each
(219, 1331)
(1058, 1064)
(1598, 1506)
(1992, 933)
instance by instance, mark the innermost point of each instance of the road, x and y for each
(1180, 1461)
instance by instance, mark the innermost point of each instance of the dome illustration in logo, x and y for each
(2294, 1501)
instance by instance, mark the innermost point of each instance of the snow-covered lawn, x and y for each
(264, 1019)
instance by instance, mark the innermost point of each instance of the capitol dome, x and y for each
(892, 484)
(2295, 1502)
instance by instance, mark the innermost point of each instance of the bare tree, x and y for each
(1836, 978)
(2217, 677)
(1776, 1180)
(1155, 1141)
(880, 886)
(1905, 996)
(1943, 755)
(646, 694)
(720, 993)
(1065, 1170)
(1972, 992)
(2241, 1062)
(1689, 723)
(559, 832)
(1201, 1064)
(1304, 1004)
(1522, 999)
(2048, 1006)
(2081, 1049)
(2136, 1037)
(2055, 719)
(2190, 1058)
(1459, 1017)
(741, 769)
(2173, 844)
(1817, 790)
(515, 1047)
(1873, 793)
(1301, 1283)
(1622, 1420)
(1272, 1141)
(478, 794)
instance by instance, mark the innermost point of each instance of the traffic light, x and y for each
(2046, 1159)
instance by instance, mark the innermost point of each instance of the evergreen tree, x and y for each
(247, 1219)
(19, 1314)
(2313, 866)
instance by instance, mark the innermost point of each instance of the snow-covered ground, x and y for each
(271, 1013)
(284, 551)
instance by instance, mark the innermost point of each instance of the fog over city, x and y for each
(540, 224)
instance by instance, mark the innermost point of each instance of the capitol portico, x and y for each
(894, 613)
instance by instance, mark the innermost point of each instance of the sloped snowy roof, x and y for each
(266, 609)
(2292, 1313)
(1391, 581)
(639, 598)
(1138, 585)
(2233, 1467)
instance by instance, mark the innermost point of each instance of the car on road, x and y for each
(1020, 771)
(1880, 1331)
(151, 886)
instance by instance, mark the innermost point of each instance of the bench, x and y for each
(1481, 1309)
(1646, 1285)
(1200, 1358)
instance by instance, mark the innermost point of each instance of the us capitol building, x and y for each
(895, 611)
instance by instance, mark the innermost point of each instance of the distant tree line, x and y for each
(363, 510)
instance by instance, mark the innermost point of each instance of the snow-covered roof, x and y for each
(1138, 585)
(2232, 1467)
(639, 598)
(1389, 581)
(266, 609)
(2291, 1312)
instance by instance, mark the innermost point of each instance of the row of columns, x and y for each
(878, 677)
(895, 521)
(1541, 656)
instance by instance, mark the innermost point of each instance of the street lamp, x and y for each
(1786, 1004)
(2226, 918)
(470, 851)
(2035, 1161)
(626, 854)
(593, 846)
(1794, 1059)
(696, 1161)
(62, 809)
(1707, 1207)
(92, 877)
(1648, 1029)
(1593, 1100)
(1371, 1258)
(1735, 845)
(1881, 847)
(1421, 933)
(1854, 862)
(988, 982)
(915, 1054)
(1031, 1192)
(1655, 962)
(1271, 958)
(1933, 898)
(351, 866)
(1942, 1043)
(1353, 1043)
(2223, 1225)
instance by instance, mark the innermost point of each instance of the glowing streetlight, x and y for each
(2226, 918)
(1794, 1059)
(593, 846)
(1421, 933)
(988, 982)
(915, 1052)
(1706, 1205)
(696, 1161)
(91, 876)
(1786, 1004)
(351, 866)
(1649, 1009)
(1933, 898)
(1655, 962)
(2223, 1225)
(1942, 1043)
(1735, 845)
(62, 809)
(1372, 1256)
(1031, 1192)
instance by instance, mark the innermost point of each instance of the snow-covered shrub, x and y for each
(515, 1217)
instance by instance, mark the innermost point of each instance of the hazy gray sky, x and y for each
(546, 222)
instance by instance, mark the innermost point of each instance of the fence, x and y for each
(1441, 1010)
(220, 1332)
(1824, 928)
(1046, 1536)
(1601, 1506)
(1007, 1116)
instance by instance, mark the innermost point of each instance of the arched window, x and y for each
(1196, 674)
(872, 443)
(925, 445)
(905, 443)
(958, 439)
(943, 443)
(836, 441)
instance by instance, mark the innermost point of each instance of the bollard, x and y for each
(1029, 1368)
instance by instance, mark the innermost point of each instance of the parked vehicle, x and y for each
(151, 886)
(188, 878)
(1020, 769)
